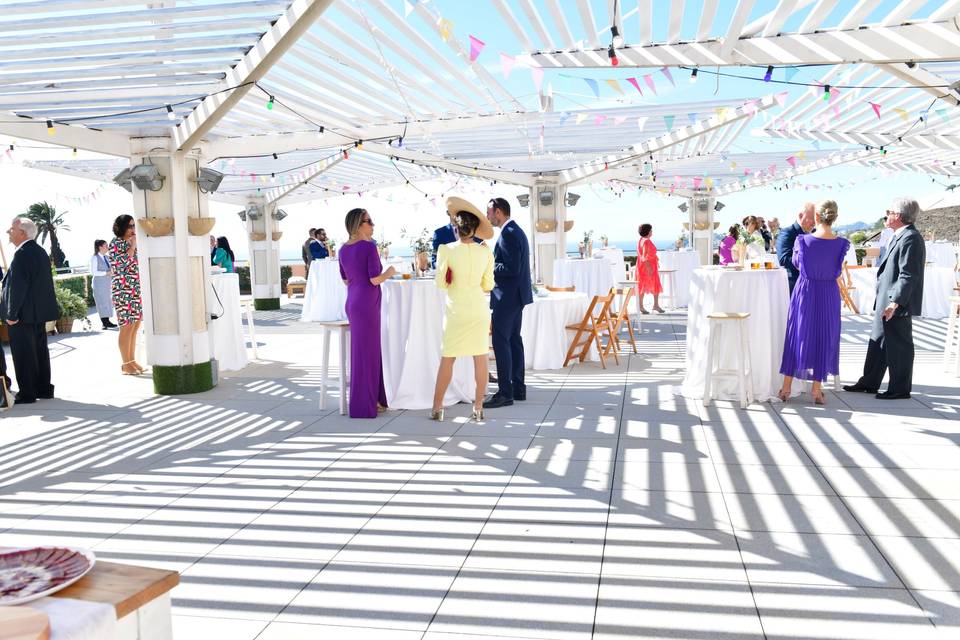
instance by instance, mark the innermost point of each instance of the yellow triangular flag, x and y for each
(902, 113)
(446, 28)
(581, 117)
(801, 154)
(721, 112)
(615, 86)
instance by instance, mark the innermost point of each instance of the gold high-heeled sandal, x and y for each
(477, 415)
(124, 371)
(436, 415)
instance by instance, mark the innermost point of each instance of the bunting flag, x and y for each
(641, 122)
(802, 154)
(781, 98)
(836, 110)
(666, 71)
(619, 120)
(772, 169)
(668, 121)
(902, 113)
(408, 7)
(446, 28)
(564, 117)
(733, 165)
(636, 85)
(721, 113)
(697, 181)
(792, 161)
(476, 46)
(876, 108)
(709, 182)
(537, 74)
(692, 117)
(593, 86)
(943, 114)
(649, 80)
(615, 86)
(924, 114)
(581, 117)
(834, 93)
(599, 119)
(750, 107)
(790, 73)
(506, 65)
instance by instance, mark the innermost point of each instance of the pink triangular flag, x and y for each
(666, 72)
(506, 65)
(635, 84)
(792, 161)
(476, 46)
(876, 108)
(696, 182)
(773, 168)
(649, 80)
(781, 98)
(619, 120)
(599, 119)
(537, 74)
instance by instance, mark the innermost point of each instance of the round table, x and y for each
(938, 284)
(765, 296)
(326, 295)
(942, 254)
(227, 342)
(614, 258)
(411, 333)
(683, 262)
(543, 328)
(591, 276)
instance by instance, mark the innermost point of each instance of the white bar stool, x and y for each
(248, 311)
(671, 277)
(342, 327)
(951, 347)
(742, 373)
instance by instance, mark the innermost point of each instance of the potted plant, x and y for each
(72, 307)
(588, 243)
(421, 246)
(332, 247)
(383, 246)
(604, 241)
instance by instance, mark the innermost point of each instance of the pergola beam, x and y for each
(800, 169)
(66, 136)
(917, 42)
(255, 64)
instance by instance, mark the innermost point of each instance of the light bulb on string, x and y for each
(270, 104)
(74, 154)
(612, 54)
(359, 145)
(345, 154)
(693, 75)
(170, 114)
(615, 36)
(275, 156)
(50, 128)
(826, 92)
(769, 74)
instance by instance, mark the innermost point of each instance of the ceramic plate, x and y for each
(28, 574)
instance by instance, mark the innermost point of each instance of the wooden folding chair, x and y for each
(593, 325)
(617, 318)
(570, 288)
(845, 282)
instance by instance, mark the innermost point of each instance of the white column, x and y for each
(700, 211)
(547, 207)
(264, 244)
(174, 273)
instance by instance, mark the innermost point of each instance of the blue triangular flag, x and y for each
(790, 73)
(593, 85)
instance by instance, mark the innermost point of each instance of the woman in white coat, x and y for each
(102, 274)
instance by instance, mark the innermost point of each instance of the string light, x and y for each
(170, 114)
(275, 157)
(826, 92)
(359, 145)
(50, 128)
(615, 36)
(345, 154)
(270, 104)
(769, 74)
(74, 152)
(612, 54)
(693, 76)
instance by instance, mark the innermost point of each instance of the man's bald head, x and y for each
(806, 217)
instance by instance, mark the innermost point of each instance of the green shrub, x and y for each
(81, 285)
(243, 273)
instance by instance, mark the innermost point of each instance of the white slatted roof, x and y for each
(341, 71)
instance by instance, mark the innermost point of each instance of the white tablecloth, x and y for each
(326, 294)
(684, 262)
(545, 340)
(72, 619)
(941, 254)
(765, 296)
(614, 258)
(851, 257)
(938, 284)
(411, 332)
(227, 342)
(591, 276)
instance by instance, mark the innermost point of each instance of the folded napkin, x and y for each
(78, 619)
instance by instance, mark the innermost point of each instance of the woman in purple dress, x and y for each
(811, 350)
(362, 272)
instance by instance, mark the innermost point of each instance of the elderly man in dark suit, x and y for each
(512, 290)
(899, 298)
(27, 303)
(787, 237)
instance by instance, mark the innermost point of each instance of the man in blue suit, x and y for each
(787, 237)
(512, 290)
(445, 235)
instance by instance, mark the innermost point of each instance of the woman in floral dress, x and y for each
(125, 290)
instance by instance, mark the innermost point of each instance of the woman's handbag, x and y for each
(449, 276)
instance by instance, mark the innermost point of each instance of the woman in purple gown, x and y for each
(362, 272)
(811, 350)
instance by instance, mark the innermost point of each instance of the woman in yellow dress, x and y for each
(465, 270)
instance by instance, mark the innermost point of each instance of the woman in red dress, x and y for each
(648, 276)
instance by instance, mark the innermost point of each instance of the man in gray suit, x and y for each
(899, 297)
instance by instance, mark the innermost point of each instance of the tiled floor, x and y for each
(602, 507)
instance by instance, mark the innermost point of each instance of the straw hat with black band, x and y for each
(456, 204)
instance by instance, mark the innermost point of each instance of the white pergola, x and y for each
(296, 100)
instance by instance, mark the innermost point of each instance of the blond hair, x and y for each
(828, 212)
